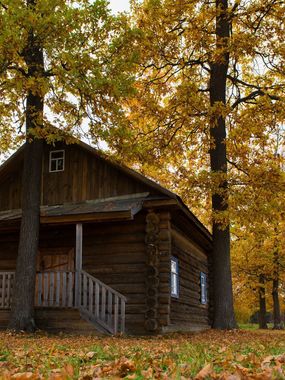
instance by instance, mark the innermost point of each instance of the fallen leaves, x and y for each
(232, 355)
(205, 372)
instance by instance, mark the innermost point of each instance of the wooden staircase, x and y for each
(101, 305)
(96, 302)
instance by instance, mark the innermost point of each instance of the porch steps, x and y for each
(69, 301)
(64, 320)
(57, 320)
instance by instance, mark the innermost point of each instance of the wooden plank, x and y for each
(45, 303)
(8, 303)
(103, 303)
(70, 289)
(97, 300)
(39, 289)
(110, 307)
(85, 290)
(2, 290)
(51, 289)
(63, 289)
(116, 314)
(123, 316)
(78, 263)
(90, 217)
(58, 289)
(91, 296)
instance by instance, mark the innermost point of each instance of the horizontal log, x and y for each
(115, 239)
(188, 246)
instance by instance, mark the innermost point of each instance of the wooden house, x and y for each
(117, 253)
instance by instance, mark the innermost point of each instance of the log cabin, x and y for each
(118, 253)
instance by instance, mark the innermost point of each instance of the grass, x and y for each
(252, 326)
(250, 354)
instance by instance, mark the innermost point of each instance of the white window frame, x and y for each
(203, 285)
(174, 277)
(56, 160)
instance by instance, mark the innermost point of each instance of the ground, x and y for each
(232, 355)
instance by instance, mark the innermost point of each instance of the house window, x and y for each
(203, 284)
(174, 277)
(56, 160)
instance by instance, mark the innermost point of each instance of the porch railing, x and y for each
(102, 304)
(6, 287)
(96, 301)
(55, 289)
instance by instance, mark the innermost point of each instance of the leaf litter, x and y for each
(224, 355)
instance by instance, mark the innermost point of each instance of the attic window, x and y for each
(56, 160)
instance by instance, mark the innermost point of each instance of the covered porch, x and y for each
(61, 282)
(66, 275)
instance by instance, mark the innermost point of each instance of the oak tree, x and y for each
(210, 86)
(63, 64)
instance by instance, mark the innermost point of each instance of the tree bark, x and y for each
(277, 322)
(22, 314)
(262, 304)
(224, 317)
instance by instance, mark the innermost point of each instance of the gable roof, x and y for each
(166, 194)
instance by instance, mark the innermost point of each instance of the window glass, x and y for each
(174, 277)
(203, 284)
(56, 161)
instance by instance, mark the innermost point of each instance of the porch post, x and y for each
(78, 263)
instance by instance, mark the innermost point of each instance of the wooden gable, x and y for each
(86, 176)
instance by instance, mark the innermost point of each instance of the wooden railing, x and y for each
(96, 301)
(102, 304)
(55, 289)
(6, 287)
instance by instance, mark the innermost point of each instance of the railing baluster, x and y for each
(39, 289)
(110, 308)
(97, 300)
(122, 316)
(91, 297)
(103, 304)
(116, 314)
(70, 288)
(3, 289)
(63, 300)
(58, 289)
(8, 291)
(45, 303)
(85, 279)
(51, 289)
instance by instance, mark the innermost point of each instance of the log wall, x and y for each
(115, 254)
(187, 312)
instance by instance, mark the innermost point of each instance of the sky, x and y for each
(119, 5)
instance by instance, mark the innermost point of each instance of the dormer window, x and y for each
(56, 160)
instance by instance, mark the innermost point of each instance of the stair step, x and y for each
(56, 320)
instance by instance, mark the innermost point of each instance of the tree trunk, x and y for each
(277, 322)
(22, 314)
(262, 304)
(224, 317)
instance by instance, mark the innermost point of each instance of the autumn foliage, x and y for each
(233, 355)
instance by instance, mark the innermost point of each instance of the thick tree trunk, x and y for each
(224, 317)
(277, 322)
(22, 314)
(262, 304)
